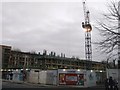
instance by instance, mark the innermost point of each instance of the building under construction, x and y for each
(25, 60)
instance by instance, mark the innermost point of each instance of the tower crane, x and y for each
(88, 28)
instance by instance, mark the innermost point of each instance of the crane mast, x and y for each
(88, 28)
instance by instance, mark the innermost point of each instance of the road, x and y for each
(16, 86)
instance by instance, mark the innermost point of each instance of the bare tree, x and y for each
(110, 30)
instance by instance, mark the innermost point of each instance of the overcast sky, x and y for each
(51, 25)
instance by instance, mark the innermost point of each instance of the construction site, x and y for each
(59, 70)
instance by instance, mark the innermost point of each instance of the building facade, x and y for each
(5, 52)
(25, 60)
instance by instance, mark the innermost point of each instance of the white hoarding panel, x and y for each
(91, 78)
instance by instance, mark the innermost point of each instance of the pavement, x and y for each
(48, 86)
(26, 83)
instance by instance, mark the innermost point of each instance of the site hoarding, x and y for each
(43, 76)
(59, 77)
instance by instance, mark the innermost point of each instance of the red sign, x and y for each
(71, 79)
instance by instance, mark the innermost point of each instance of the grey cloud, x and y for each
(45, 25)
